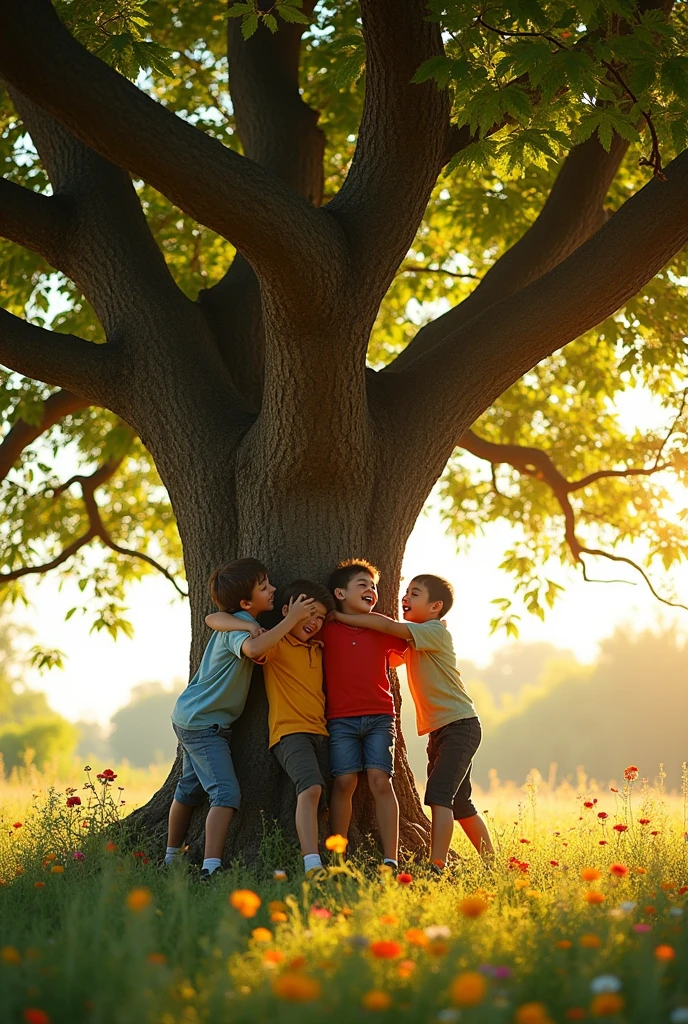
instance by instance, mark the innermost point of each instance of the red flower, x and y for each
(554, 863)
(603, 842)
(35, 1016)
(404, 878)
(619, 870)
(524, 840)
(321, 912)
(602, 815)
(17, 824)
(631, 773)
(643, 821)
(654, 833)
(139, 853)
(108, 775)
(620, 828)
(386, 949)
(588, 804)
(73, 801)
(682, 890)
(523, 866)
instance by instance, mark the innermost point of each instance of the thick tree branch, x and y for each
(21, 434)
(400, 144)
(264, 218)
(535, 462)
(35, 221)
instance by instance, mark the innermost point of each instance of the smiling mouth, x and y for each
(406, 608)
(308, 630)
(369, 599)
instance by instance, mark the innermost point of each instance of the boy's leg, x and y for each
(178, 824)
(346, 761)
(209, 753)
(216, 828)
(450, 755)
(378, 758)
(298, 754)
(477, 831)
(343, 789)
(441, 832)
(306, 819)
(188, 795)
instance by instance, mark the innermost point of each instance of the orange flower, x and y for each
(276, 905)
(640, 871)
(593, 897)
(156, 958)
(438, 948)
(32, 1015)
(473, 906)
(668, 886)
(272, 957)
(590, 874)
(389, 919)
(376, 999)
(296, 988)
(620, 870)
(406, 968)
(57, 869)
(631, 773)
(468, 989)
(261, 935)
(650, 910)
(111, 847)
(336, 844)
(386, 949)
(246, 902)
(590, 941)
(38, 885)
(606, 1004)
(532, 1013)
(416, 937)
(297, 963)
(139, 899)
(278, 917)
(10, 955)
(575, 1013)
(665, 952)
(563, 944)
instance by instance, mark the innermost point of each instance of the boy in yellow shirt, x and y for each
(293, 676)
(443, 710)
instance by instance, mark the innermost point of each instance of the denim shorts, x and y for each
(206, 767)
(357, 744)
(450, 758)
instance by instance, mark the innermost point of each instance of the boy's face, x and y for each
(262, 598)
(306, 630)
(359, 595)
(416, 604)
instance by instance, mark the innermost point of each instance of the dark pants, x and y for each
(450, 757)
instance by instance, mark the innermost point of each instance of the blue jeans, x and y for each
(357, 744)
(206, 767)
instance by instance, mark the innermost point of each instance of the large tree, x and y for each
(236, 221)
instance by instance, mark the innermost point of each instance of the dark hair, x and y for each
(317, 591)
(233, 582)
(438, 590)
(346, 571)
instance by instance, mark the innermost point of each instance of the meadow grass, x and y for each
(577, 919)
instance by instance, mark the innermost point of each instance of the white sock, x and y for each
(391, 863)
(311, 860)
(211, 864)
(170, 853)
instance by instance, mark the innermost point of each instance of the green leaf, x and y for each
(289, 12)
(437, 68)
(674, 76)
(270, 22)
(249, 25)
(240, 10)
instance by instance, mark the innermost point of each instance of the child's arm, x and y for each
(223, 622)
(372, 620)
(300, 608)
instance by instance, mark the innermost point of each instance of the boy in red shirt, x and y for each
(359, 705)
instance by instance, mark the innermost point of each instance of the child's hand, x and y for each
(254, 629)
(300, 609)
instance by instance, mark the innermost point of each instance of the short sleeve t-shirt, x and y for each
(293, 673)
(355, 661)
(433, 677)
(216, 695)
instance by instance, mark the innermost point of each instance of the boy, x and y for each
(359, 707)
(443, 709)
(214, 699)
(296, 707)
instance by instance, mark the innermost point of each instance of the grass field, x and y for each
(581, 917)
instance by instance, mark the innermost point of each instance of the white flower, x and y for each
(628, 906)
(438, 931)
(605, 983)
(676, 912)
(679, 1015)
(616, 913)
(279, 876)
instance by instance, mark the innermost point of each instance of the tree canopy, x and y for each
(534, 88)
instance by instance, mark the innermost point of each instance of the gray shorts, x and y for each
(305, 758)
(450, 758)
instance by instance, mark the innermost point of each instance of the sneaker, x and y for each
(208, 876)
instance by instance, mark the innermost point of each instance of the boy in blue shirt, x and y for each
(214, 699)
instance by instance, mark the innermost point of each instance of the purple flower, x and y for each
(78, 855)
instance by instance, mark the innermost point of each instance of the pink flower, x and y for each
(642, 928)
(78, 855)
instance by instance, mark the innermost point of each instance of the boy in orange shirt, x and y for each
(293, 673)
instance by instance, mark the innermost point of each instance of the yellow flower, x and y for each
(10, 955)
(186, 990)
(532, 1013)
(473, 906)
(590, 874)
(389, 919)
(468, 989)
(245, 901)
(261, 935)
(336, 844)
(594, 897)
(521, 883)
(606, 1004)
(534, 894)
(57, 869)
(139, 899)
(416, 937)
(376, 1000)
(590, 941)
(296, 988)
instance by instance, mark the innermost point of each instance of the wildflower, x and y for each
(650, 910)
(57, 869)
(279, 875)
(521, 883)
(603, 842)
(643, 821)
(665, 952)
(524, 841)
(10, 955)
(296, 988)
(468, 989)
(297, 964)
(186, 990)
(38, 885)
(589, 804)
(17, 824)
(32, 1015)
(386, 949)
(620, 828)
(278, 917)
(106, 776)
(389, 919)
(563, 944)
(438, 931)
(640, 871)
(606, 1004)
(406, 968)
(613, 789)
(605, 983)
(404, 878)
(320, 912)
(631, 773)
(602, 815)
(590, 874)
(336, 844)
(111, 847)
(532, 1013)
(438, 948)
(272, 957)
(594, 898)
(416, 937)
(139, 899)
(78, 855)
(682, 890)
(641, 928)
(156, 958)
(473, 906)
(73, 801)
(376, 999)
(619, 870)
(590, 941)
(261, 935)
(575, 1013)
(245, 901)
